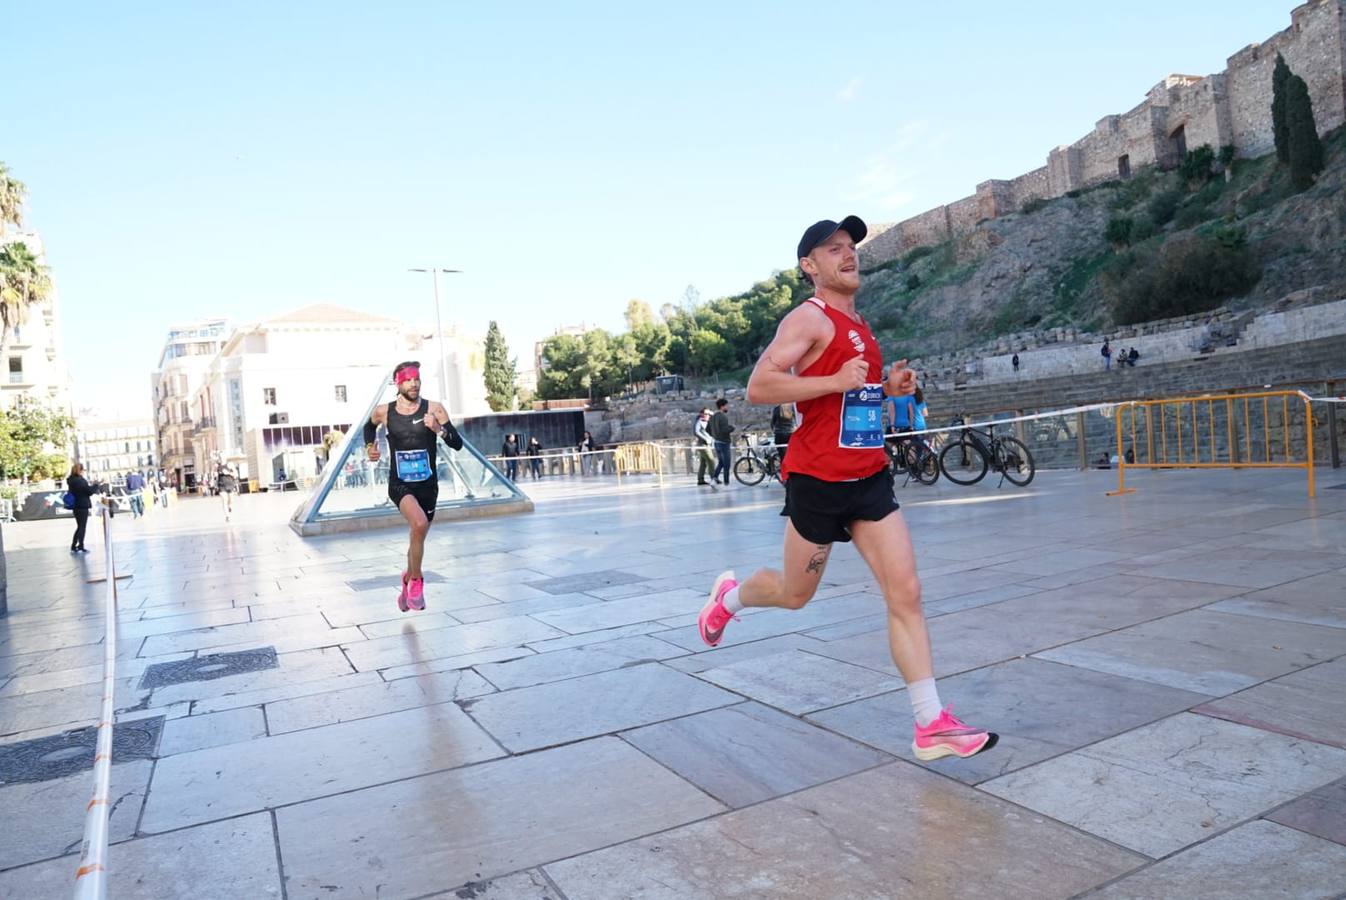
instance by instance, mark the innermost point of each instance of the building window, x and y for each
(1124, 166)
(341, 393)
(16, 370)
(269, 396)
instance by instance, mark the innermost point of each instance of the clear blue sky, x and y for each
(246, 159)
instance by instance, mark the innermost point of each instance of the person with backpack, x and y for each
(704, 447)
(78, 499)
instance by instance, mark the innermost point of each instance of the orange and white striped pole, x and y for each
(91, 877)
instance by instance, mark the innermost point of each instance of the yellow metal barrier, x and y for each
(1215, 431)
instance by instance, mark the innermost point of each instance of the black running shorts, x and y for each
(426, 494)
(822, 511)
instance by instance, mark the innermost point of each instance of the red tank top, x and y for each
(817, 447)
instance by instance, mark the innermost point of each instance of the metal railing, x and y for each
(1257, 430)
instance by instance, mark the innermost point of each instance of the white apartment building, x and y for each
(34, 362)
(111, 449)
(186, 356)
(279, 385)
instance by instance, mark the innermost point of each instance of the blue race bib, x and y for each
(413, 465)
(862, 418)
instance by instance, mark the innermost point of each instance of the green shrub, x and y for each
(1191, 215)
(1119, 231)
(916, 253)
(1196, 165)
(1033, 205)
(1186, 275)
(913, 281)
(1163, 205)
(1142, 230)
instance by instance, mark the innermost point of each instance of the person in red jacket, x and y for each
(838, 486)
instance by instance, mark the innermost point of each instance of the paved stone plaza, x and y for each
(1167, 671)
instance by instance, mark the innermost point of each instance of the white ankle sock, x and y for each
(925, 703)
(731, 601)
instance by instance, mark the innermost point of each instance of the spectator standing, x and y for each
(586, 447)
(135, 484)
(535, 456)
(705, 447)
(1107, 355)
(78, 485)
(782, 426)
(720, 430)
(1014, 361)
(510, 451)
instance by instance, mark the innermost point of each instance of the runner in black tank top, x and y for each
(414, 428)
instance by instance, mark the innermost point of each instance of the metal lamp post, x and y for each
(439, 327)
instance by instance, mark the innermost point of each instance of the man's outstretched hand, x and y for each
(901, 380)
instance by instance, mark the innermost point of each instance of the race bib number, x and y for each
(413, 465)
(862, 418)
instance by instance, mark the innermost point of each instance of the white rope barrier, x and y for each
(91, 877)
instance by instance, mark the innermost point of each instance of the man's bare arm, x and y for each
(773, 379)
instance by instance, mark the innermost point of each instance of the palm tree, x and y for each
(24, 281)
(12, 193)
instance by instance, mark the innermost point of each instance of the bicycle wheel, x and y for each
(963, 462)
(749, 470)
(924, 465)
(1015, 462)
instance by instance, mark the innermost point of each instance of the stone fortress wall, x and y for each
(1182, 112)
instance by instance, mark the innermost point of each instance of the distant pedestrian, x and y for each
(535, 456)
(510, 451)
(135, 484)
(1132, 357)
(1014, 361)
(586, 448)
(720, 430)
(79, 486)
(1107, 356)
(705, 447)
(226, 482)
(782, 427)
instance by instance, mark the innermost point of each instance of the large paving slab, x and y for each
(52, 812)
(1316, 600)
(547, 714)
(1310, 703)
(884, 833)
(1322, 812)
(221, 861)
(1166, 785)
(800, 682)
(1261, 858)
(748, 753)
(414, 647)
(219, 782)
(572, 663)
(331, 707)
(474, 824)
(1207, 652)
(1039, 709)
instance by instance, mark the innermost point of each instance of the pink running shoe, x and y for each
(402, 597)
(946, 735)
(416, 593)
(714, 616)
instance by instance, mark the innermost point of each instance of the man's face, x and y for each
(835, 264)
(410, 389)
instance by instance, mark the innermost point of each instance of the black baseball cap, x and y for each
(821, 231)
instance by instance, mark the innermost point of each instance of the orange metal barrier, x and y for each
(1261, 430)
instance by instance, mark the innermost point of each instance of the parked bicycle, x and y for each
(757, 462)
(967, 459)
(911, 456)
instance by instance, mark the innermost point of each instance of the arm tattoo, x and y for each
(818, 561)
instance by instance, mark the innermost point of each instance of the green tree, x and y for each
(501, 373)
(1306, 149)
(1195, 169)
(708, 352)
(12, 193)
(1280, 128)
(638, 315)
(24, 282)
(30, 435)
(562, 368)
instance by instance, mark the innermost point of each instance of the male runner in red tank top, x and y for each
(838, 486)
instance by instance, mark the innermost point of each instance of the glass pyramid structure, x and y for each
(351, 494)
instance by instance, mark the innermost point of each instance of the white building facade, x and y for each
(186, 356)
(278, 386)
(34, 363)
(110, 450)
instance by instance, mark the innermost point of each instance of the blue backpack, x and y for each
(68, 500)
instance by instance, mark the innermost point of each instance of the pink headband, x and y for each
(407, 374)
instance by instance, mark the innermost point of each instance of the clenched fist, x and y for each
(901, 380)
(852, 374)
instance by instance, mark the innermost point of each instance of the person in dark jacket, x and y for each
(782, 426)
(510, 451)
(720, 431)
(535, 456)
(83, 491)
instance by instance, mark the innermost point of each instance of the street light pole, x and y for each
(439, 329)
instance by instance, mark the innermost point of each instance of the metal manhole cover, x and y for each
(58, 755)
(208, 667)
(569, 584)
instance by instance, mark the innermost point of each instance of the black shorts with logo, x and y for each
(822, 511)
(426, 494)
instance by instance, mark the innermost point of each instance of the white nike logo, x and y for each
(417, 421)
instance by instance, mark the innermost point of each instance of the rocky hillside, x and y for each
(1067, 261)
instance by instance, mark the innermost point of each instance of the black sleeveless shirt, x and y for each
(409, 433)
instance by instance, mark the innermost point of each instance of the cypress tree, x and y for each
(1306, 150)
(1279, 127)
(501, 378)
